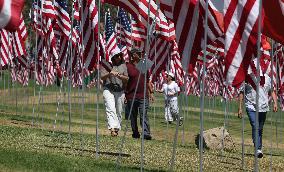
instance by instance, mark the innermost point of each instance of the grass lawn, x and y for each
(35, 135)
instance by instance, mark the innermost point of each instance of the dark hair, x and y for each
(121, 59)
(173, 78)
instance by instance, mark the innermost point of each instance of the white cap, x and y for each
(115, 52)
(170, 74)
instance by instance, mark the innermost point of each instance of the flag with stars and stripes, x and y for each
(123, 29)
(111, 39)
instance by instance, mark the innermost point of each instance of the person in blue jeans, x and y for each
(248, 92)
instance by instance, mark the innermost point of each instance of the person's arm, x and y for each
(274, 98)
(104, 73)
(105, 76)
(240, 108)
(150, 91)
(161, 90)
(122, 77)
(172, 94)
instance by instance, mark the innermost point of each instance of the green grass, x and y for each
(26, 160)
(38, 147)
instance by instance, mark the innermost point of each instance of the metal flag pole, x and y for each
(70, 48)
(4, 83)
(155, 63)
(188, 108)
(243, 139)
(35, 55)
(98, 82)
(168, 110)
(118, 162)
(174, 145)
(202, 91)
(257, 87)
(278, 82)
(43, 76)
(15, 88)
(271, 128)
(145, 79)
(185, 109)
(225, 116)
(83, 83)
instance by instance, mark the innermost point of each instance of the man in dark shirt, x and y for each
(137, 79)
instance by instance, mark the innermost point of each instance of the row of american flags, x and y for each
(72, 45)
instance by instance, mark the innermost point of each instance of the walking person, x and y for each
(248, 92)
(114, 76)
(138, 98)
(171, 91)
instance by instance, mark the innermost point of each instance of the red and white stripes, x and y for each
(10, 14)
(240, 26)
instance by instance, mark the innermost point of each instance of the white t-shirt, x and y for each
(250, 96)
(171, 88)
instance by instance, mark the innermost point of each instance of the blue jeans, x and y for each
(138, 109)
(252, 120)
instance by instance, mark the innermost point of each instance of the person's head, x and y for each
(170, 76)
(116, 58)
(135, 55)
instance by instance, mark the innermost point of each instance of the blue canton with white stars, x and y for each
(124, 20)
(62, 4)
(109, 26)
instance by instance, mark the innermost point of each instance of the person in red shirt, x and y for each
(136, 83)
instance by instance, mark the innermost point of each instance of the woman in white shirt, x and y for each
(171, 90)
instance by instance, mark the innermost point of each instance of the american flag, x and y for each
(192, 84)
(188, 17)
(139, 10)
(47, 50)
(240, 26)
(90, 34)
(111, 37)
(159, 53)
(123, 29)
(64, 34)
(139, 35)
(42, 23)
(279, 55)
(19, 38)
(139, 32)
(10, 14)
(76, 8)
(38, 15)
(5, 47)
(265, 68)
(123, 32)
(161, 79)
(19, 51)
(62, 16)
(176, 66)
(19, 72)
(48, 9)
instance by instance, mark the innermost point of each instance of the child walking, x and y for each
(171, 91)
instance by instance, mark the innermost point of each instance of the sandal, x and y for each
(113, 132)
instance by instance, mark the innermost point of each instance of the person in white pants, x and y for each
(171, 90)
(115, 77)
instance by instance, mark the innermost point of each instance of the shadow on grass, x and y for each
(267, 154)
(20, 160)
(230, 157)
(87, 150)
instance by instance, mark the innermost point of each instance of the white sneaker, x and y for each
(259, 153)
